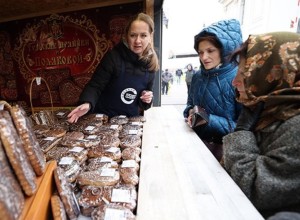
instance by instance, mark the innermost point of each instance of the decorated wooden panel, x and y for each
(64, 49)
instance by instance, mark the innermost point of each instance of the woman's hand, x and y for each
(146, 96)
(189, 120)
(78, 112)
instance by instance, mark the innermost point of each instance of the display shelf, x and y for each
(38, 206)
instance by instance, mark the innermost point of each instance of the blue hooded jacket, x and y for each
(212, 89)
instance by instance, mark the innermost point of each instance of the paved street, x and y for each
(177, 96)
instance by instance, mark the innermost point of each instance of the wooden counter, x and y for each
(180, 179)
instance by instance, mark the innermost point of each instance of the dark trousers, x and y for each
(164, 87)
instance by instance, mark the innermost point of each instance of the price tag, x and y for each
(90, 128)
(105, 160)
(91, 137)
(77, 149)
(108, 172)
(120, 195)
(66, 160)
(128, 163)
(114, 214)
(113, 150)
(49, 139)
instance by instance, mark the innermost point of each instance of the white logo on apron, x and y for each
(128, 95)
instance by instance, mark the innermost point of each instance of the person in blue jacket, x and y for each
(211, 87)
(123, 81)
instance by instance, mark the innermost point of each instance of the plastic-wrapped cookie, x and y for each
(47, 143)
(100, 177)
(129, 172)
(56, 153)
(139, 118)
(101, 162)
(112, 211)
(96, 118)
(11, 195)
(131, 141)
(58, 209)
(93, 196)
(31, 145)
(66, 194)
(108, 141)
(71, 168)
(79, 153)
(112, 152)
(132, 153)
(16, 154)
(120, 120)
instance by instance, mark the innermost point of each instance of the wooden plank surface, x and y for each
(180, 178)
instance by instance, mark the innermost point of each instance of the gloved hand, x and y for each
(248, 118)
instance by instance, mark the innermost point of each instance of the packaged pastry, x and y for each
(139, 118)
(101, 162)
(66, 194)
(129, 172)
(131, 141)
(79, 153)
(11, 195)
(47, 143)
(112, 211)
(100, 177)
(71, 168)
(93, 196)
(108, 141)
(16, 155)
(30, 143)
(132, 153)
(96, 117)
(78, 139)
(58, 209)
(120, 120)
(56, 153)
(112, 152)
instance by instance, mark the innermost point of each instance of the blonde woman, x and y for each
(122, 83)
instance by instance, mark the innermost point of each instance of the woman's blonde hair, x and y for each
(149, 55)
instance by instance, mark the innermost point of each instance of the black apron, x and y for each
(122, 95)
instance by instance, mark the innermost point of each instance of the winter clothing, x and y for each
(188, 76)
(266, 163)
(212, 89)
(166, 77)
(116, 86)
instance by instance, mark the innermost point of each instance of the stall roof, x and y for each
(20, 9)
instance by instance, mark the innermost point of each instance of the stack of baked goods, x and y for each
(107, 180)
(21, 160)
(97, 172)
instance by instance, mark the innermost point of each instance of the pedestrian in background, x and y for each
(178, 74)
(188, 76)
(211, 88)
(166, 78)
